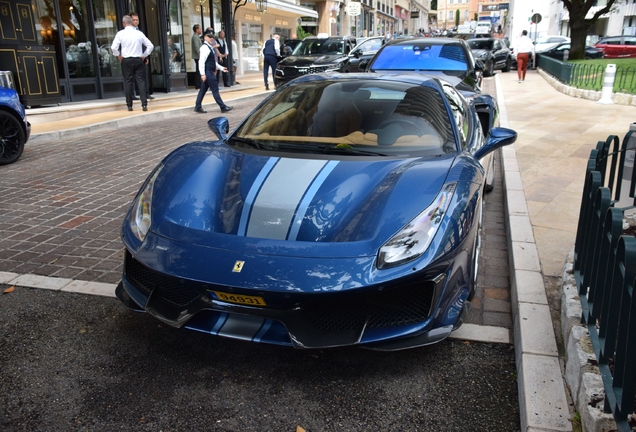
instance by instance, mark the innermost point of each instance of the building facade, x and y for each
(59, 50)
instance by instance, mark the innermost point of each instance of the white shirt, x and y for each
(234, 53)
(204, 52)
(130, 43)
(524, 45)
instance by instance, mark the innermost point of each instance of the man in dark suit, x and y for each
(271, 53)
(223, 51)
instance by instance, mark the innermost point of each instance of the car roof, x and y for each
(430, 41)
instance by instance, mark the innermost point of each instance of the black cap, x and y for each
(209, 32)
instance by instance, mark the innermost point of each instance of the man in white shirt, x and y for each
(523, 47)
(132, 47)
(271, 53)
(208, 65)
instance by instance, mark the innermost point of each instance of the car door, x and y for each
(629, 47)
(499, 54)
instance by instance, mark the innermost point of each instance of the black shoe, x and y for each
(236, 82)
(135, 98)
(226, 109)
(144, 108)
(129, 108)
(150, 97)
(200, 111)
(266, 87)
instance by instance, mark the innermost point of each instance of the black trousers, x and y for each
(212, 84)
(226, 77)
(269, 62)
(134, 71)
(197, 78)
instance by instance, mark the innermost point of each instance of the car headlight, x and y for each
(141, 214)
(334, 67)
(483, 56)
(413, 240)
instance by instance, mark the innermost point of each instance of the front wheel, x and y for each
(490, 69)
(507, 66)
(12, 138)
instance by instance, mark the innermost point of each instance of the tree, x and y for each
(433, 4)
(457, 15)
(579, 24)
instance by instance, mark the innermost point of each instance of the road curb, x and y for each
(137, 118)
(543, 403)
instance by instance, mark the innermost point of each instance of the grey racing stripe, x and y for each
(274, 207)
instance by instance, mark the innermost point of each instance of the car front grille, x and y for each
(399, 306)
(293, 71)
(174, 291)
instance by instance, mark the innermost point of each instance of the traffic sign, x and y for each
(536, 18)
(353, 9)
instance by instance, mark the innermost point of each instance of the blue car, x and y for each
(344, 210)
(14, 128)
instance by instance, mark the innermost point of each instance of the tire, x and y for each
(507, 66)
(12, 138)
(490, 69)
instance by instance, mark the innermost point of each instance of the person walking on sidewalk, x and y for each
(196, 46)
(132, 47)
(523, 47)
(208, 66)
(271, 53)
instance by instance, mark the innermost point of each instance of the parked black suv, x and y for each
(314, 55)
(493, 52)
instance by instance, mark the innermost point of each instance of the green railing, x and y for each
(605, 272)
(588, 76)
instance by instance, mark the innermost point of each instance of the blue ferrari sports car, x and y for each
(344, 210)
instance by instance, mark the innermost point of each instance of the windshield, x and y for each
(353, 117)
(421, 57)
(482, 44)
(370, 45)
(319, 47)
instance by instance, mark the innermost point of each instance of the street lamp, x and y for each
(261, 6)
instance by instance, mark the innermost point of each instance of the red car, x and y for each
(618, 46)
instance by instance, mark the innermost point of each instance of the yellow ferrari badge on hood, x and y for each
(238, 266)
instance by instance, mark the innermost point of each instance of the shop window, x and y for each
(176, 45)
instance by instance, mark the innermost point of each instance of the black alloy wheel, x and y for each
(490, 69)
(12, 138)
(507, 66)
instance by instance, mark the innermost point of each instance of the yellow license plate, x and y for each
(240, 299)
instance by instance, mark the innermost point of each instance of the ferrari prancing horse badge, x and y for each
(238, 266)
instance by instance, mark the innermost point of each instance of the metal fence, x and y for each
(605, 272)
(588, 76)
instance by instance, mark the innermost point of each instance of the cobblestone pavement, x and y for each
(64, 201)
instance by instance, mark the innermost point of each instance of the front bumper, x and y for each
(393, 317)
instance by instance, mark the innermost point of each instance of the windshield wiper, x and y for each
(252, 143)
(330, 149)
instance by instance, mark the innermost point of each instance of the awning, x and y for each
(284, 8)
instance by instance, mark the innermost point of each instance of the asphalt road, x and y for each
(76, 362)
(72, 362)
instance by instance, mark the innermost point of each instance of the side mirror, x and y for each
(220, 126)
(357, 53)
(479, 65)
(497, 138)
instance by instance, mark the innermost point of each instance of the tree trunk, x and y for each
(578, 35)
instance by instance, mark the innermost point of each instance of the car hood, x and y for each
(300, 61)
(210, 194)
(479, 52)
